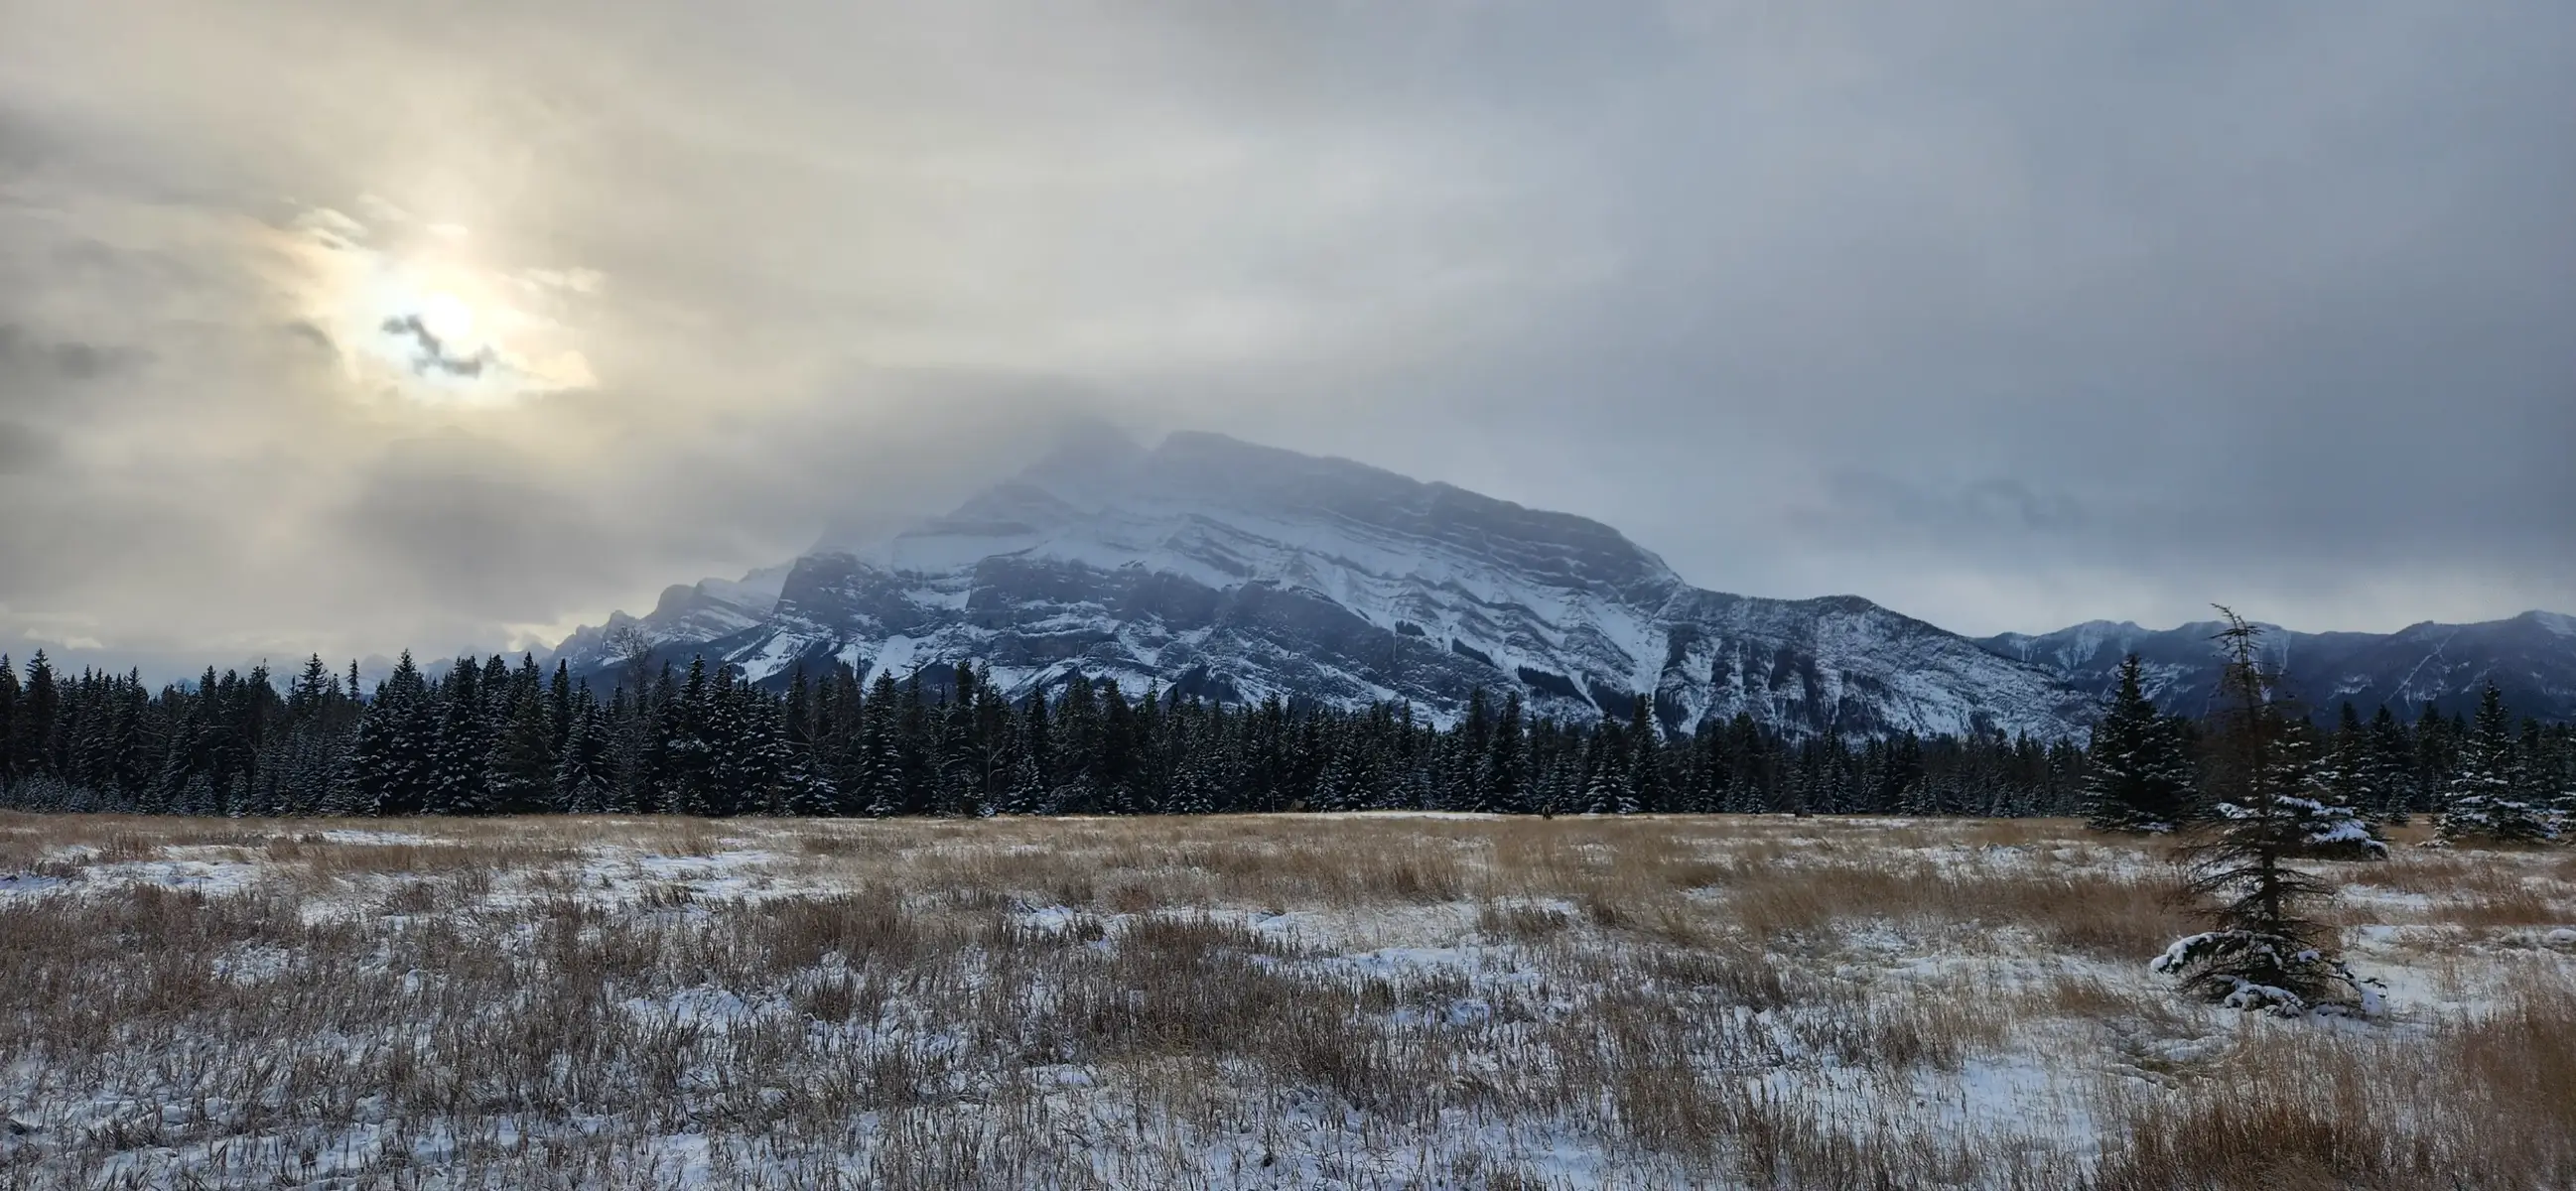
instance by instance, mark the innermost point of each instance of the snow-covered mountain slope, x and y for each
(686, 615)
(1236, 572)
(2531, 658)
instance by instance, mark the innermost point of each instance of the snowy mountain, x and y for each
(1237, 572)
(2531, 658)
(686, 614)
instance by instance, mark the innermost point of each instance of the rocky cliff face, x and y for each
(1237, 572)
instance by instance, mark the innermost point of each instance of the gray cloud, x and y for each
(23, 448)
(1998, 508)
(27, 364)
(2006, 315)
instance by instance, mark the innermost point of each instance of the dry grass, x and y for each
(1233, 1002)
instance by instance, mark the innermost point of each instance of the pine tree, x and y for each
(8, 722)
(520, 771)
(806, 791)
(1193, 782)
(2562, 806)
(2435, 753)
(459, 785)
(2481, 802)
(1606, 790)
(1026, 788)
(2138, 778)
(880, 787)
(2535, 768)
(395, 765)
(585, 777)
(1648, 786)
(1505, 780)
(560, 704)
(663, 749)
(2392, 767)
(2261, 953)
(31, 745)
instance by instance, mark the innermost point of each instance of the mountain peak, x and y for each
(1235, 571)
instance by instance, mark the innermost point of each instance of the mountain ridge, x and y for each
(1224, 569)
(2531, 657)
(1231, 570)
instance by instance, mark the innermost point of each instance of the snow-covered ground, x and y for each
(1290, 1001)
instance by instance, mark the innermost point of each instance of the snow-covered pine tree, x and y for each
(1023, 780)
(1024, 792)
(2392, 768)
(1606, 790)
(1193, 776)
(2261, 953)
(807, 792)
(585, 777)
(395, 763)
(2481, 804)
(881, 784)
(1337, 789)
(32, 731)
(2344, 768)
(2562, 804)
(2313, 829)
(1505, 781)
(2311, 822)
(520, 772)
(1649, 787)
(2436, 752)
(458, 785)
(2536, 774)
(2139, 779)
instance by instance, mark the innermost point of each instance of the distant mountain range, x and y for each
(2531, 658)
(1230, 571)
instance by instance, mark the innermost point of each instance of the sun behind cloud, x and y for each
(412, 313)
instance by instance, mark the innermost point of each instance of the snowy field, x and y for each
(1313, 1001)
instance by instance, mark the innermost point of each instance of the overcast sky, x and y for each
(354, 326)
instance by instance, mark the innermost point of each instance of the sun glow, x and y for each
(415, 316)
(446, 316)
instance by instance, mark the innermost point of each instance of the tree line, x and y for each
(500, 737)
(2483, 777)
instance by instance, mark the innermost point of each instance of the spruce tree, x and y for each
(2138, 778)
(2262, 952)
(395, 763)
(585, 777)
(806, 791)
(879, 762)
(560, 703)
(1026, 790)
(1648, 786)
(1505, 783)
(460, 783)
(8, 722)
(31, 744)
(2392, 767)
(520, 773)
(2481, 803)
(1193, 780)
(2435, 751)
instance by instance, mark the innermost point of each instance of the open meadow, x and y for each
(1373, 1001)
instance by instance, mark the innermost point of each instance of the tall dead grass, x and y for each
(1218, 1002)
